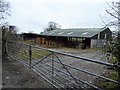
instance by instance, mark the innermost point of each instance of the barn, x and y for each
(75, 38)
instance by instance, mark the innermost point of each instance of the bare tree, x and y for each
(4, 9)
(52, 26)
(11, 33)
(114, 12)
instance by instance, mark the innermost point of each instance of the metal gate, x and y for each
(51, 65)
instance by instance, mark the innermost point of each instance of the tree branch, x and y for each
(111, 14)
(102, 20)
(112, 7)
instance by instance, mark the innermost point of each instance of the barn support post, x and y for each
(76, 45)
(67, 41)
(70, 39)
(57, 41)
(76, 39)
(48, 40)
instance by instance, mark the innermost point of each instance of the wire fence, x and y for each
(57, 68)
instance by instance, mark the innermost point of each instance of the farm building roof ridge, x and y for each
(74, 32)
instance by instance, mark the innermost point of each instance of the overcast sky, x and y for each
(34, 15)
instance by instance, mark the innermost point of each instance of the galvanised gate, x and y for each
(51, 66)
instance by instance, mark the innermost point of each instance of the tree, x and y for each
(115, 13)
(11, 33)
(52, 26)
(4, 10)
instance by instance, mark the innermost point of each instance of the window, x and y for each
(51, 33)
(69, 33)
(84, 33)
(60, 33)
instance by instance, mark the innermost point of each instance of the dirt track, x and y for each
(16, 75)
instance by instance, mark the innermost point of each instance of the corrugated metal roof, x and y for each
(81, 32)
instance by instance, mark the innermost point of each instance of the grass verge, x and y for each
(110, 73)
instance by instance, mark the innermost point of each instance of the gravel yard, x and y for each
(16, 75)
(89, 66)
(84, 65)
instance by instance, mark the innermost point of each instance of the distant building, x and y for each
(75, 38)
(29, 37)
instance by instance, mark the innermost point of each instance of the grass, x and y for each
(35, 54)
(112, 74)
(113, 60)
(27, 42)
(76, 49)
(107, 84)
(39, 54)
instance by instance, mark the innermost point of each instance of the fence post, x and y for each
(4, 52)
(119, 41)
(118, 56)
(30, 56)
(52, 67)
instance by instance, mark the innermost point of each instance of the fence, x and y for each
(58, 68)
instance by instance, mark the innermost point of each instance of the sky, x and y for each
(34, 15)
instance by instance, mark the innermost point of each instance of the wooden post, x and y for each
(4, 52)
(118, 41)
(118, 56)
(30, 55)
(52, 68)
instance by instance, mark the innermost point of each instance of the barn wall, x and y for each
(62, 42)
(50, 41)
(108, 34)
(38, 40)
(95, 43)
(102, 34)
